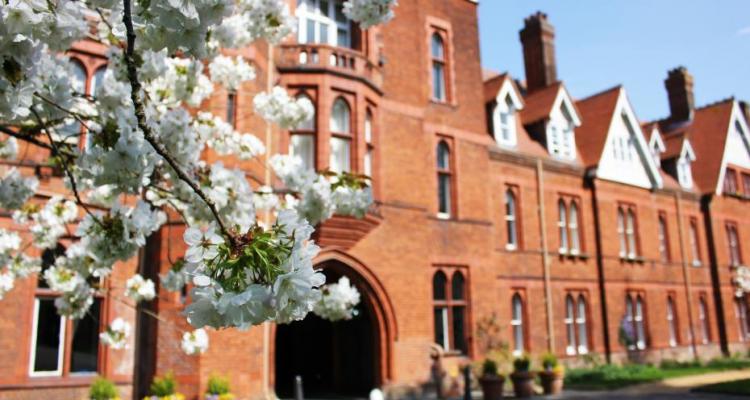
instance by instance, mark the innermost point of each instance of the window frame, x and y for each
(730, 182)
(695, 243)
(628, 232)
(333, 25)
(506, 109)
(439, 62)
(447, 174)
(512, 222)
(231, 115)
(449, 304)
(562, 226)
(574, 228)
(662, 233)
(306, 131)
(346, 138)
(743, 318)
(673, 325)
(704, 320)
(577, 324)
(635, 315)
(519, 322)
(733, 244)
(369, 132)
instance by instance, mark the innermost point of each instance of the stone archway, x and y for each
(346, 358)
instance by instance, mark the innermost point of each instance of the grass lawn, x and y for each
(739, 387)
(607, 377)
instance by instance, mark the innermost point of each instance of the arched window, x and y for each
(575, 241)
(437, 47)
(671, 322)
(694, 243)
(663, 240)
(517, 323)
(740, 308)
(562, 226)
(444, 168)
(368, 141)
(450, 304)
(340, 125)
(631, 337)
(630, 233)
(735, 257)
(302, 139)
(323, 21)
(621, 232)
(640, 328)
(703, 319)
(97, 80)
(570, 328)
(59, 346)
(72, 129)
(511, 223)
(581, 324)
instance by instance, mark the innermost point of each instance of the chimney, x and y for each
(679, 84)
(538, 40)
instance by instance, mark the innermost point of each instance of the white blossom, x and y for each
(6, 283)
(62, 279)
(15, 189)
(195, 342)
(230, 72)
(281, 109)
(116, 335)
(9, 149)
(264, 199)
(139, 289)
(369, 12)
(75, 303)
(338, 301)
(202, 246)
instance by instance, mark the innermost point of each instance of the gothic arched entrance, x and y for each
(337, 359)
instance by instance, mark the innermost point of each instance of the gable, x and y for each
(737, 151)
(627, 157)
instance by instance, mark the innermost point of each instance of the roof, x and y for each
(673, 144)
(596, 113)
(707, 133)
(493, 85)
(539, 103)
(648, 129)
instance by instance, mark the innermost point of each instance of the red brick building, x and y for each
(560, 219)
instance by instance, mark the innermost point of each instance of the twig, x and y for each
(140, 113)
(10, 132)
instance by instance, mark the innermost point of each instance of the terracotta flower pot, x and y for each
(523, 383)
(552, 381)
(492, 386)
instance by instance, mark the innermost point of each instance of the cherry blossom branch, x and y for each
(140, 113)
(26, 138)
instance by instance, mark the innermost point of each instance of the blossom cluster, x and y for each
(369, 12)
(195, 342)
(139, 289)
(13, 263)
(116, 335)
(742, 281)
(281, 109)
(338, 301)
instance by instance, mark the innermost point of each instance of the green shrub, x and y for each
(674, 364)
(612, 376)
(549, 361)
(728, 363)
(164, 386)
(218, 385)
(489, 367)
(522, 364)
(103, 389)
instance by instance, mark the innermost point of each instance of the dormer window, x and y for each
(324, 22)
(561, 131)
(684, 173)
(505, 122)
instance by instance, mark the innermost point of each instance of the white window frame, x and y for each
(562, 226)
(671, 322)
(630, 233)
(703, 318)
(639, 324)
(573, 232)
(505, 122)
(517, 325)
(662, 236)
(511, 219)
(439, 63)
(304, 16)
(740, 308)
(694, 243)
(570, 328)
(61, 349)
(582, 325)
(621, 232)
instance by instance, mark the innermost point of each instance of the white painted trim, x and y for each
(61, 350)
(507, 88)
(736, 116)
(657, 140)
(563, 97)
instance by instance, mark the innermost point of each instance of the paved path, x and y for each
(668, 389)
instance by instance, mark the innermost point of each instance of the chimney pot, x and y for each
(538, 40)
(679, 84)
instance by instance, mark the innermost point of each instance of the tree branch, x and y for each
(140, 113)
(29, 139)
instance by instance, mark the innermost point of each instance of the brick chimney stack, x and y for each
(538, 40)
(679, 84)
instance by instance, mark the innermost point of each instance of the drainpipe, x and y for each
(685, 272)
(267, 218)
(714, 265)
(590, 180)
(545, 257)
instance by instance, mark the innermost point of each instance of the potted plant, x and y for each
(218, 389)
(551, 375)
(491, 381)
(103, 389)
(523, 377)
(164, 389)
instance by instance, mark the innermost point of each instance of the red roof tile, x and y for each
(539, 104)
(596, 117)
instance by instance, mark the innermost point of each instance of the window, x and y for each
(735, 257)
(562, 226)
(517, 323)
(561, 134)
(740, 308)
(575, 242)
(450, 311)
(684, 174)
(439, 64)
(59, 346)
(72, 129)
(511, 223)
(746, 184)
(368, 140)
(627, 232)
(663, 239)
(671, 322)
(302, 139)
(231, 108)
(703, 319)
(575, 325)
(621, 232)
(634, 317)
(730, 181)
(323, 21)
(506, 121)
(630, 233)
(97, 80)
(694, 243)
(340, 124)
(444, 168)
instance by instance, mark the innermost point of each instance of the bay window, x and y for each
(341, 137)
(302, 139)
(323, 21)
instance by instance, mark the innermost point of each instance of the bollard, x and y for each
(298, 393)
(467, 383)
